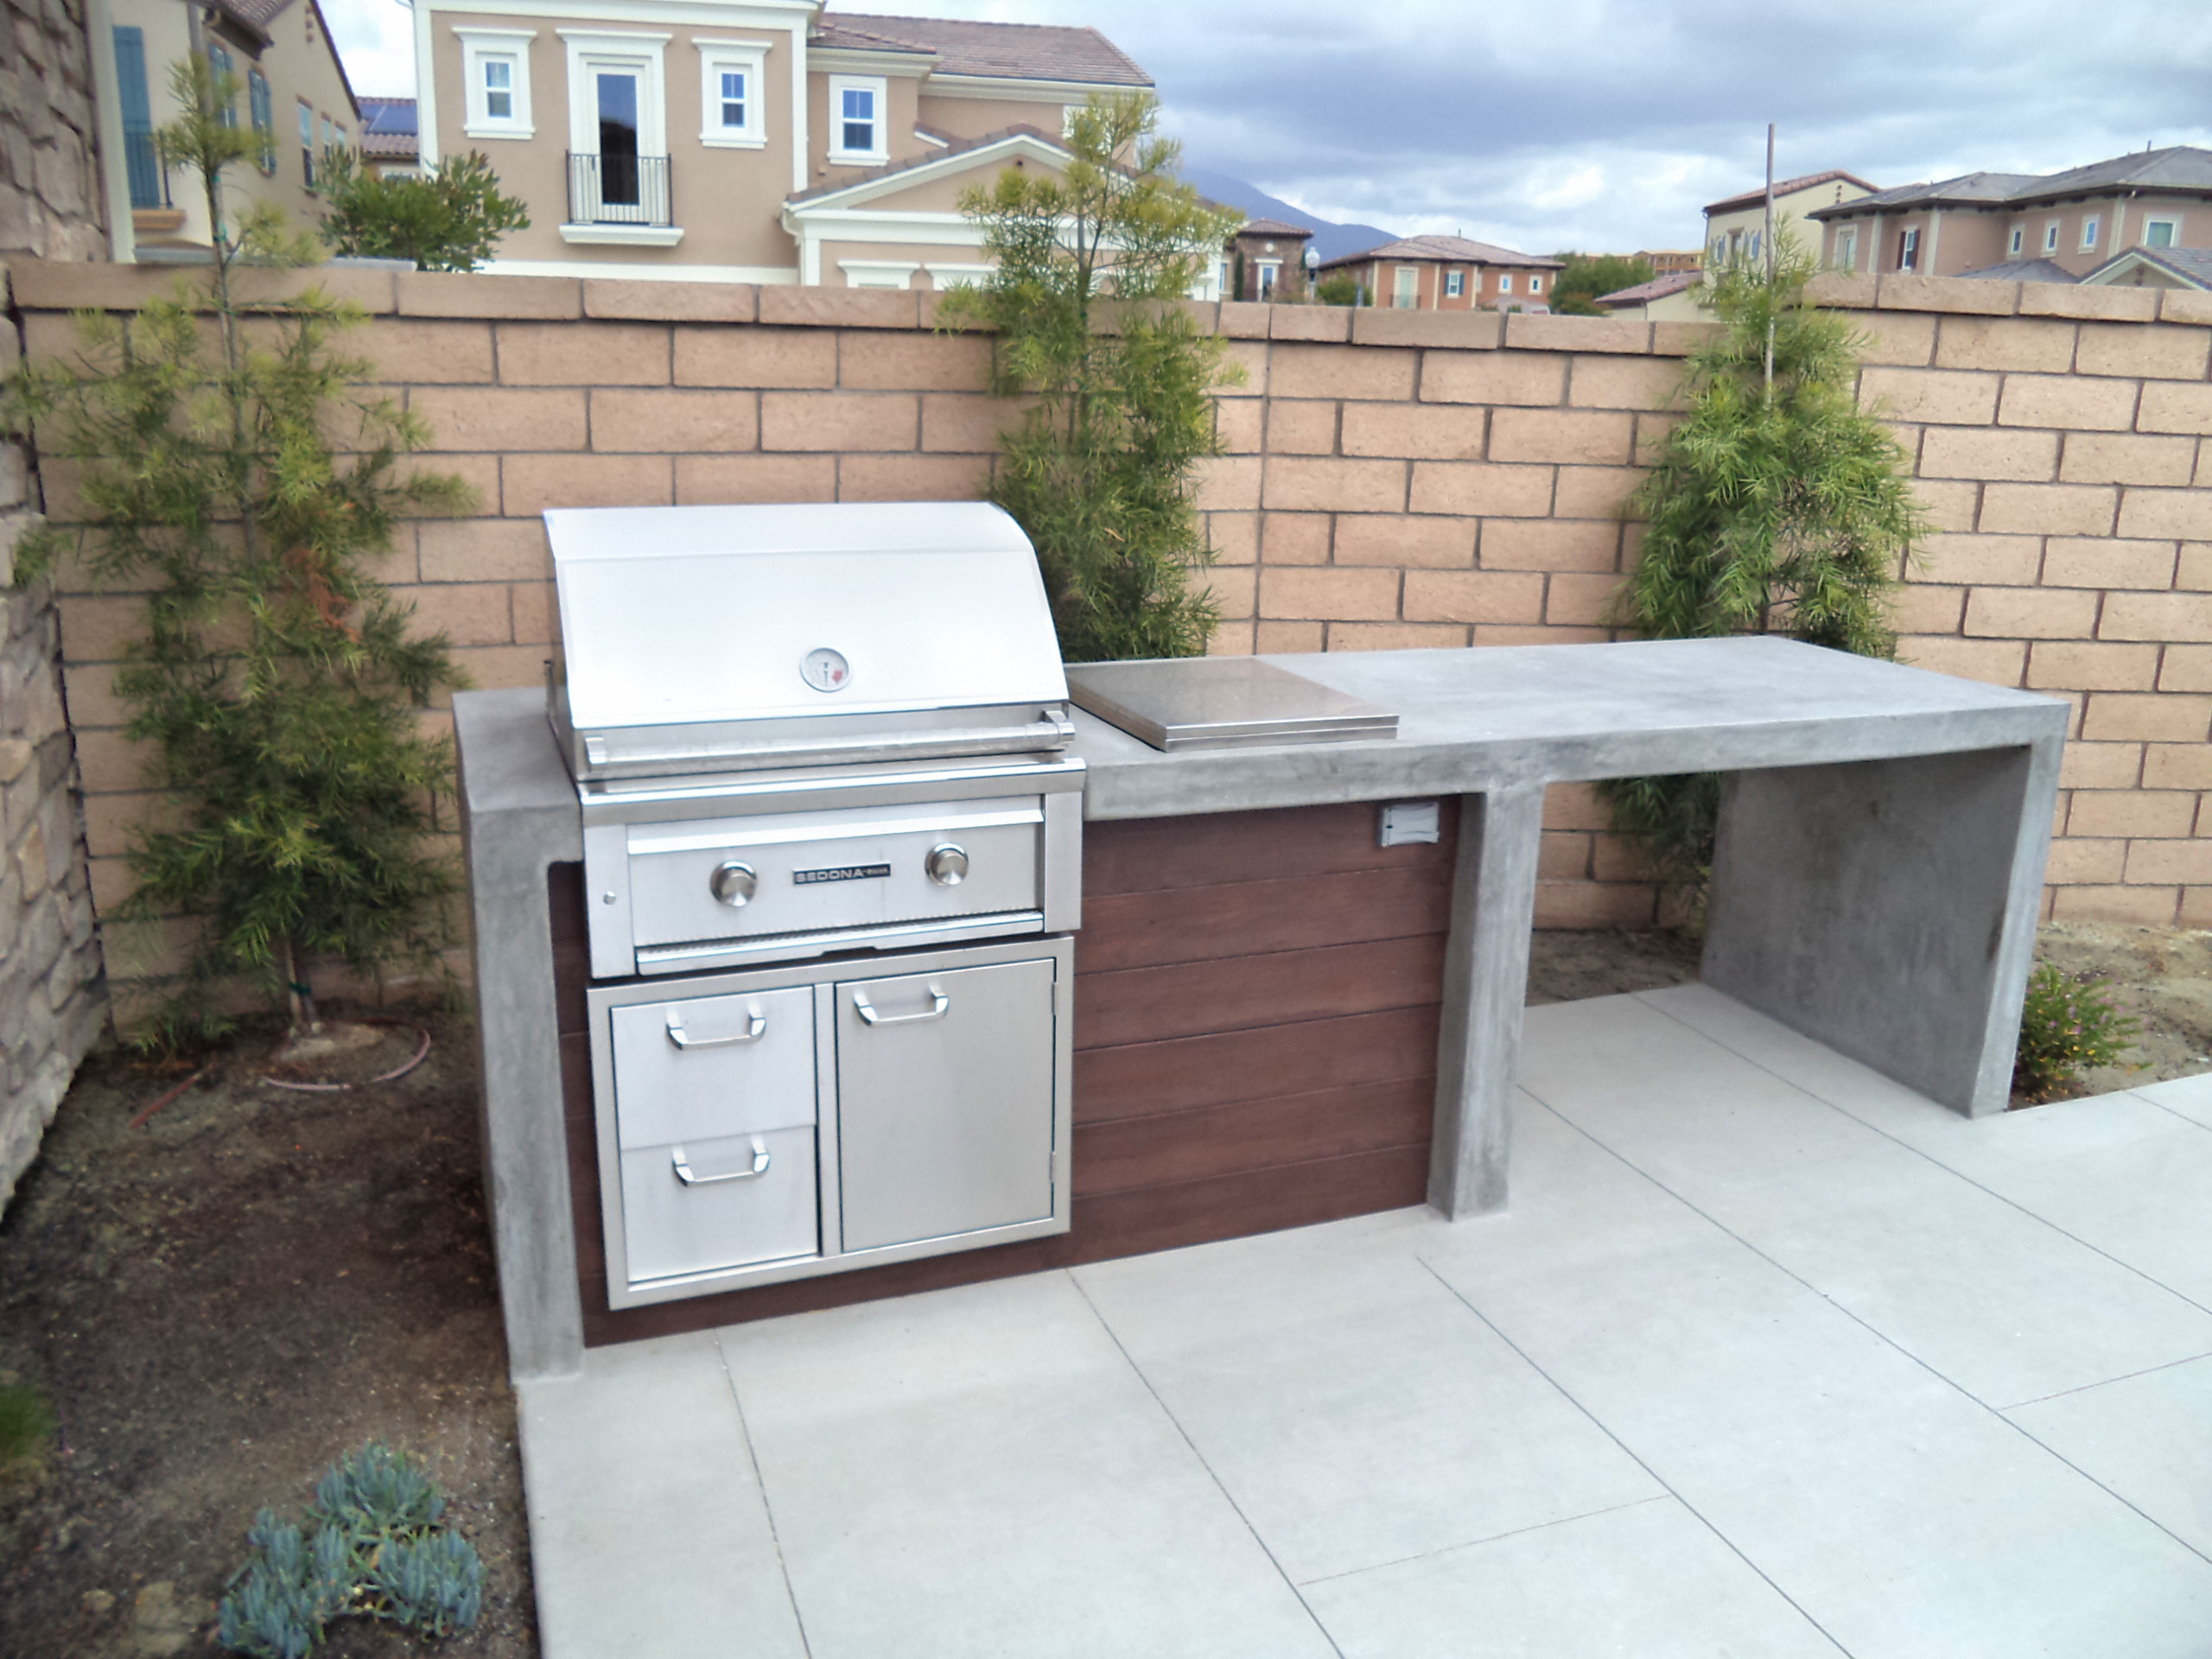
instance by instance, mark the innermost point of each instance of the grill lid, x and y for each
(713, 638)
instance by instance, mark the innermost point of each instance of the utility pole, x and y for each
(1769, 261)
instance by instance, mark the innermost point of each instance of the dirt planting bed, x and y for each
(223, 1299)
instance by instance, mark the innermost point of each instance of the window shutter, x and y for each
(140, 162)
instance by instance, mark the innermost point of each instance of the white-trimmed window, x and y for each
(2160, 233)
(1455, 283)
(880, 273)
(1505, 282)
(2089, 227)
(1847, 248)
(1402, 292)
(2050, 236)
(307, 145)
(2020, 240)
(1535, 284)
(733, 81)
(1909, 250)
(495, 82)
(858, 119)
(1270, 271)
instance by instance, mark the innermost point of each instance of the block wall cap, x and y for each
(634, 301)
(1902, 292)
(1477, 331)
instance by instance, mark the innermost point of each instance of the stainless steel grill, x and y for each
(819, 744)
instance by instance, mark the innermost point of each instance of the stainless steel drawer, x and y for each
(945, 1102)
(804, 871)
(704, 1067)
(706, 1205)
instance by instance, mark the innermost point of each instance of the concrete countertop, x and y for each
(1468, 721)
(1475, 721)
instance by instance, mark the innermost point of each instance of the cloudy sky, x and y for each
(1602, 124)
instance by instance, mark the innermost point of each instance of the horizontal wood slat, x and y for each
(1146, 930)
(1123, 855)
(1254, 1134)
(1145, 1004)
(1140, 1079)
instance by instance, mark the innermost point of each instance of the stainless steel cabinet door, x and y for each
(944, 1102)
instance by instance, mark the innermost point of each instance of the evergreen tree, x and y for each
(1090, 269)
(450, 218)
(229, 467)
(1575, 290)
(1777, 505)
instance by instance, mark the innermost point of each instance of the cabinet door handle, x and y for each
(939, 1002)
(760, 1168)
(756, 1026)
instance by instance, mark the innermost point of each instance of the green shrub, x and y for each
(1085, 298)
(2065, 1024)
(374, 1546)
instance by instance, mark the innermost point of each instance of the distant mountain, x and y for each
(1330, 238)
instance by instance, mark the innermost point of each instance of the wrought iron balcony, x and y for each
(618, 190)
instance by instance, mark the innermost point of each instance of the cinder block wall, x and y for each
(1393, 479)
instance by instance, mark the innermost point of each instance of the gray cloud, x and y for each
(1603, 123)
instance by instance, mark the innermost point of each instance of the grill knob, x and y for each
(947, 865)
(734, 884)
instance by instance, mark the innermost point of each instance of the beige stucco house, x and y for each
(2068, 223)
(1450, 273)
(293, 91)
(1671, 297)
(757, 141)
(1735, 226)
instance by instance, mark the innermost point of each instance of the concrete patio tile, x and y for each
(2190, 1097)
(981, 1471)
(647, 1530)
(2115, 1171)
(1907, 1520)
(1649, 1580)
(2148, 1437)
(1999, 1301)
(1352, 1406)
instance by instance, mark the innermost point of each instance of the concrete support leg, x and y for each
(1888, 909)
(1485, 984)
(526, 1161)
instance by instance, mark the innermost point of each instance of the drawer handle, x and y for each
(939, 1002)
(760, 1168)
(756, 1026)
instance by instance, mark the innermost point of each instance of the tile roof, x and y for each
(996, 51)
(1273, 227)
(2191, 265)
(2180, 168)
(388, 127)
(254, 14)
(1787, 186)
(2021, 270)
(956, 146)
(1454, 249)
(1657, 288)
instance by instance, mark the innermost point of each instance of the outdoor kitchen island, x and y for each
(1277, 1021)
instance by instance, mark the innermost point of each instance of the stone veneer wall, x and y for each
(1393, 479)
(52, 1000)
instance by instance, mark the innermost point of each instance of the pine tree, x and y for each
(231, 467)
(1777, 505)
(1090, 269)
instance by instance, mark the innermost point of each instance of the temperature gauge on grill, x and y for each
(825, 670)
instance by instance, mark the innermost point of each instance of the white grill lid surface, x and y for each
(674, 616)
